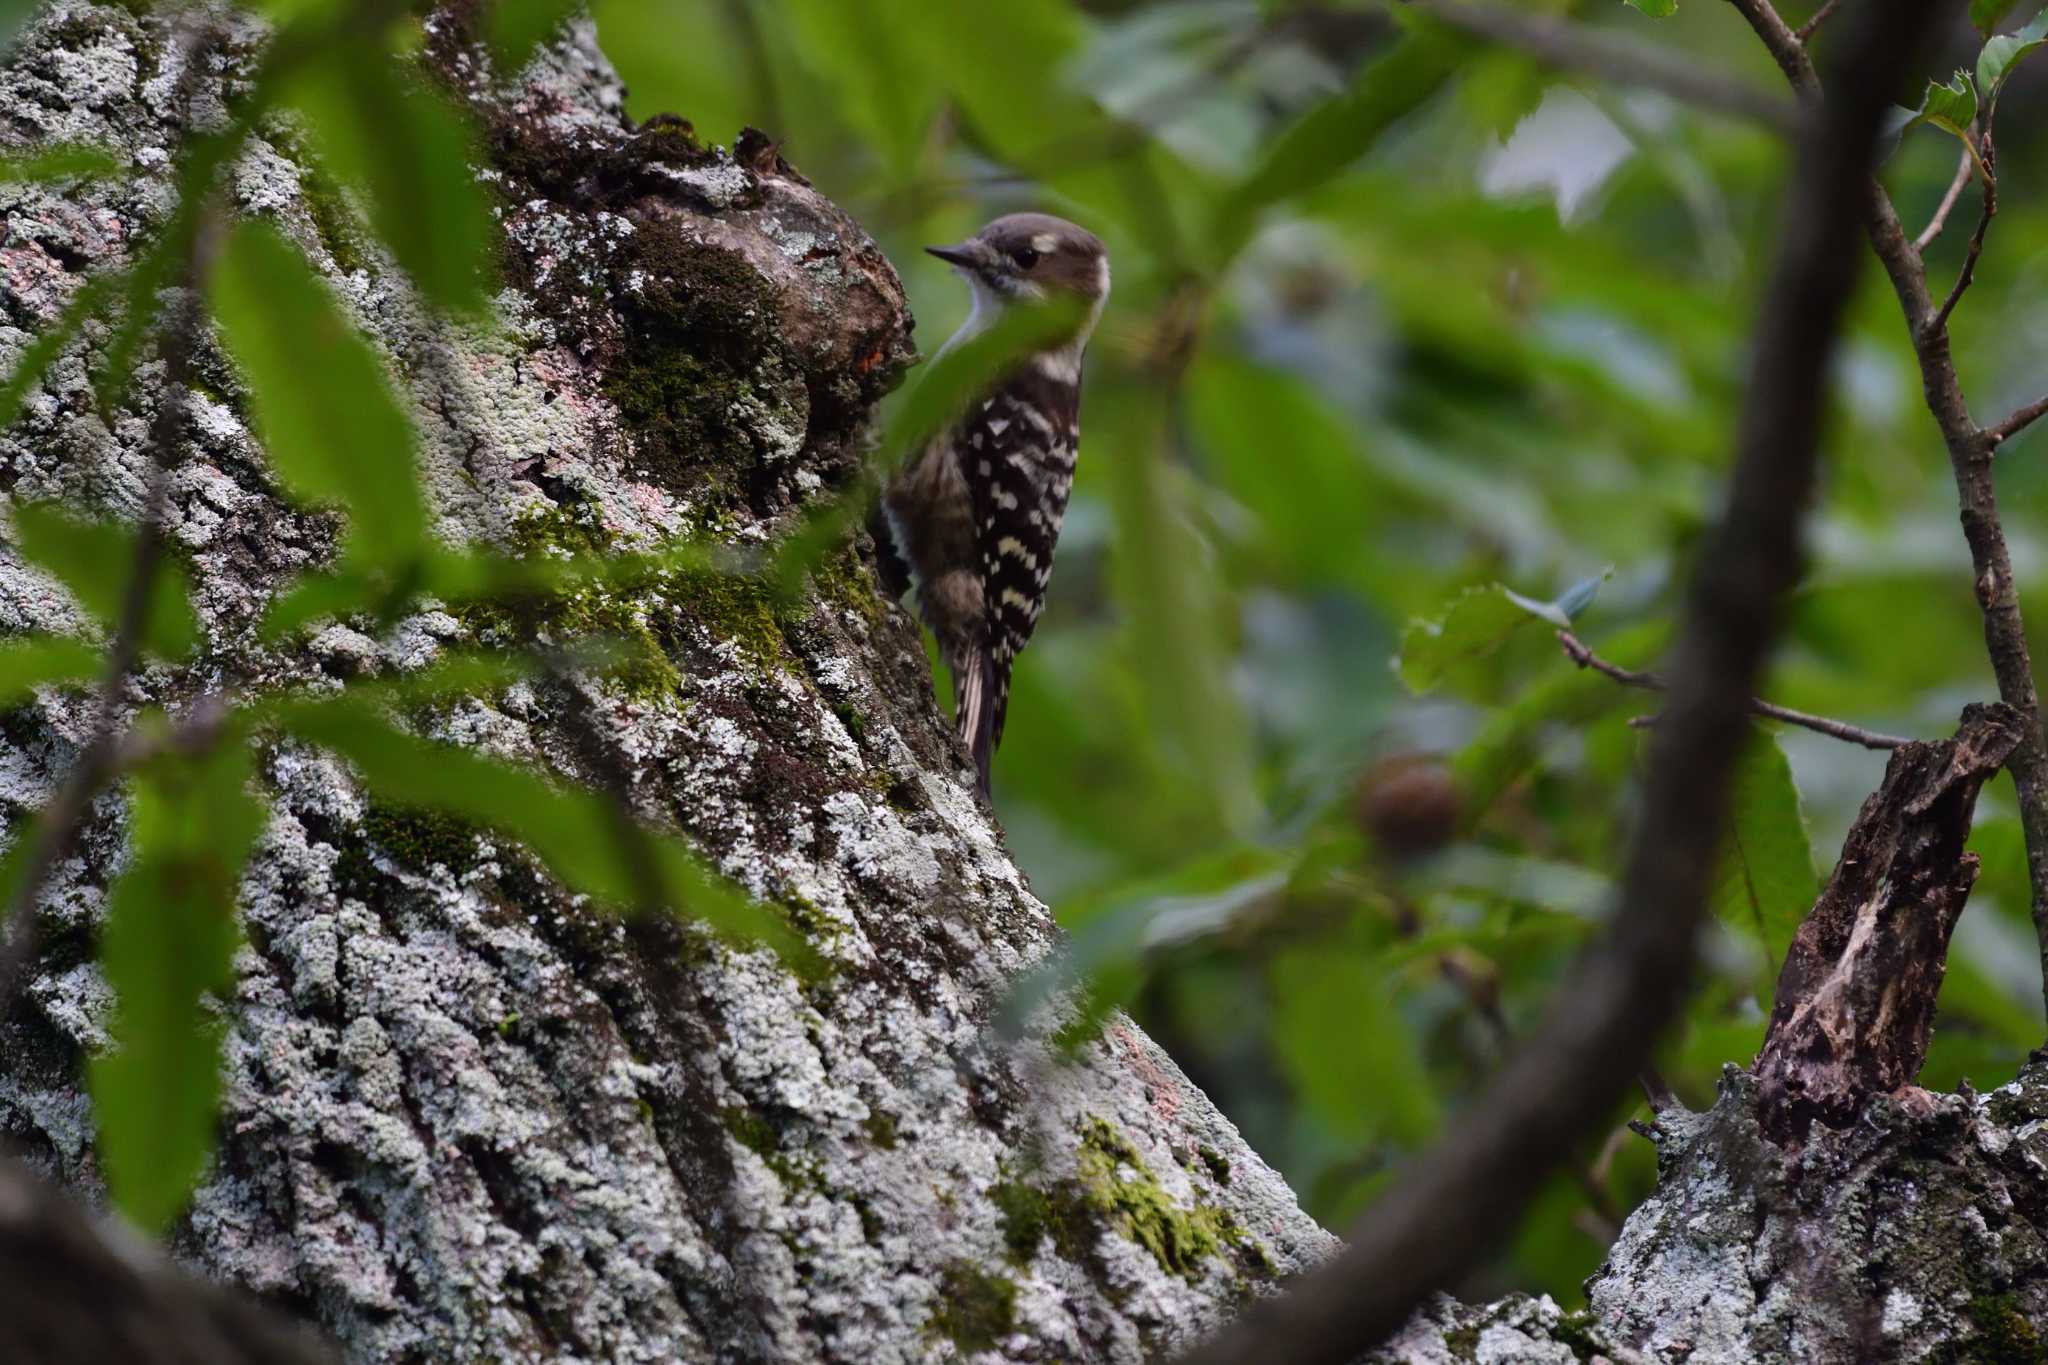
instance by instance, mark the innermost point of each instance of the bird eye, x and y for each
(1025, 257)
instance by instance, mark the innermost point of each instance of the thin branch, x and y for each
(1969, 270)
(1820, 16)
(2017, 423)
(1581, 654)
(1970, 458)
(1453, 1204)
(75, 1286)
(1966, 166)
(1783, 44)
(1574, 47)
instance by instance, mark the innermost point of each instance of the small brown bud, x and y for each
(1408, 805)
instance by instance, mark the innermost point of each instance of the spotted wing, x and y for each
(1020, 445)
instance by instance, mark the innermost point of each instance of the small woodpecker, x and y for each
(973, 517)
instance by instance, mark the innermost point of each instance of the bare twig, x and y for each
(1454, 1203)
(2017, 423)
(1812, 26)
(1581, 654)
(1969, 270)
(1783, 44)
(1966, 166)
(1970, 457)
(1574, 47)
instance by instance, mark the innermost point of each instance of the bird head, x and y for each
(1030, 257)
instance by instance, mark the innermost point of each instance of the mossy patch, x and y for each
(975, 1309)
(759, 1136)
(334, 218)
(736, 607)
(622, 609)
(881, 1129)
(702, 375)
(2005, 1335)
(411, 836)
(1130, 1196)
(1114, 1190)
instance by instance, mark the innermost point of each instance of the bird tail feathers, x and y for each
(978, 704)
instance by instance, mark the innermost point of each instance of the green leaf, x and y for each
(1951, 108)
(1475, 623)
(1005, 68)
(886, 94)
(169, 939)
(1986, 14)
(62, 161)
(577, 833)
(39, 660)
(322, 403)
(1333, 134)
(1656, 9)
(95, 560)
(520, 26)
(1351, 1056)
(2001, 54)
(412, 155)
(1512, 738)
(14, 14)
(37, 357)
(1765, 882)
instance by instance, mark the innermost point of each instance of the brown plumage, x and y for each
(976, 514)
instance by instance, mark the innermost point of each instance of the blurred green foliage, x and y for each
(1417, 352)
(1411, 337)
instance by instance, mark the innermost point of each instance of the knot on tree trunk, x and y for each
(1855, 999)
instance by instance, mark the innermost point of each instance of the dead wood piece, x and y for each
(1855, 999)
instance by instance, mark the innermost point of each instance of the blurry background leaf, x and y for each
(96, 561)
(519, 26)
(2001, 54)
(170, 939)
(324, 408)
(1766, 882)
(573, 830)
(61, 161)
(1985, 14)
(411, 154)
(1350, 1053)
(36, 661)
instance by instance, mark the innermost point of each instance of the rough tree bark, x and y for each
(468, 1117)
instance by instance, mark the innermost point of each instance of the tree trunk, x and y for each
(467, 1116)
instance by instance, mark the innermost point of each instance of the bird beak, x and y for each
(967, 255)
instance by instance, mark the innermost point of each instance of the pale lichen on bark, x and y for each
(468, 1117)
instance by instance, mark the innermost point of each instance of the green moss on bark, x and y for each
(975, 1309)
(1113, 1190)
(701, 373)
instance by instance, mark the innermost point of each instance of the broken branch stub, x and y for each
(1855, 999)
